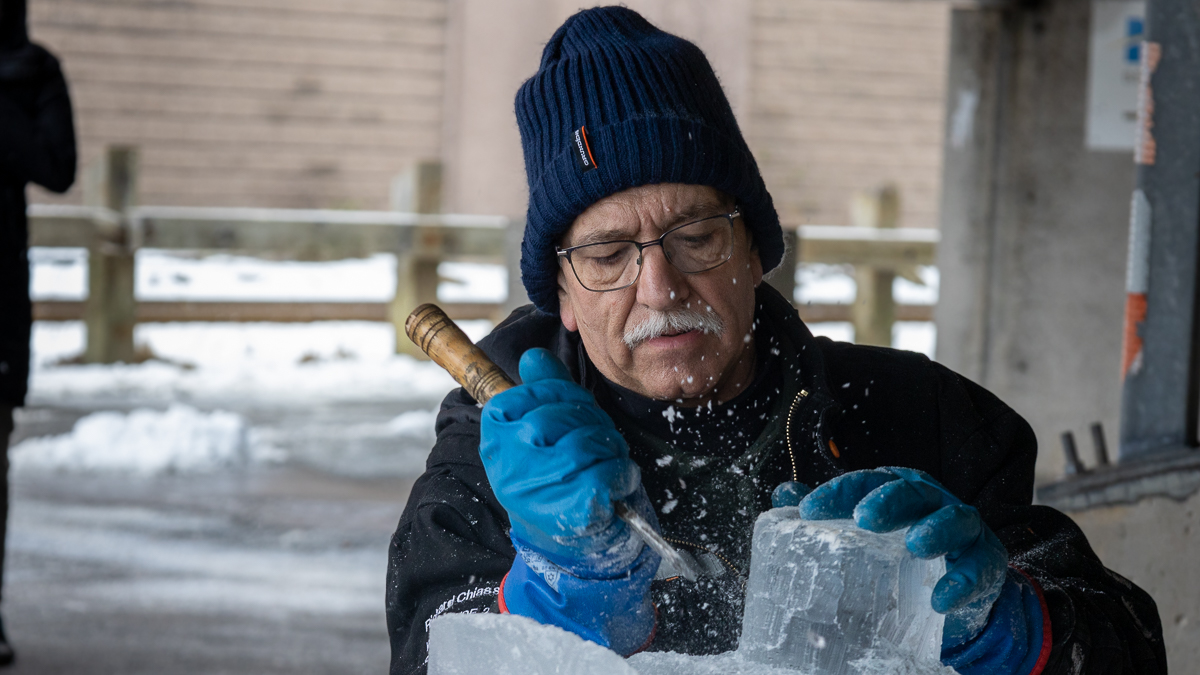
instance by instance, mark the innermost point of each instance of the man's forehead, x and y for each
(623, 214)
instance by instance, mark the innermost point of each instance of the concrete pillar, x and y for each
(1034, 224)
(1035, 231)
(1161, 389)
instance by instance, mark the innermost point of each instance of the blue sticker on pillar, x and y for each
(1135, 28)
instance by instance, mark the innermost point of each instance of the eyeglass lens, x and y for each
(692, 248)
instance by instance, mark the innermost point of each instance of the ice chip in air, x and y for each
(506, 644)
(828, 598)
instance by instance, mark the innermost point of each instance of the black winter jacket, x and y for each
(880, 407)
(37, 145)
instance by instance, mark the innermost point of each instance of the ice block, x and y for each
(826, 597)
(505, 644)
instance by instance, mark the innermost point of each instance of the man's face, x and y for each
(696, 365)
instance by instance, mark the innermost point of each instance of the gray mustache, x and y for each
(675, 321)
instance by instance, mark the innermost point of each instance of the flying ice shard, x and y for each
(826, 597)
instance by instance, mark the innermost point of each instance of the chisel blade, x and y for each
(655, 541)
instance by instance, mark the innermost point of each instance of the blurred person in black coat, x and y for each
(37, 144)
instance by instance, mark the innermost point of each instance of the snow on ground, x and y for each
(177, 440)
(61, 274)
(824, 284)
(834, 284)
(271, 572)
(328, 394)
(213, 362)
(820, 283)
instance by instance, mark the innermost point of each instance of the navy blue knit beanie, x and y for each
(615, 104)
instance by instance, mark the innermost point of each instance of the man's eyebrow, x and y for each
(597, 236)
(701, 210)
(684, 215)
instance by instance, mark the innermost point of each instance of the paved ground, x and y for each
(266, 570)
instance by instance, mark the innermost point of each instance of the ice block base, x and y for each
(504, 644)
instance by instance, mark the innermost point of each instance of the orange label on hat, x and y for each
(583, 150)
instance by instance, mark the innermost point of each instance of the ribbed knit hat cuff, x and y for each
(685, 151)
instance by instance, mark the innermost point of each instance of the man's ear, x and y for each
(566, 311)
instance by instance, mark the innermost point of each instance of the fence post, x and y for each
(110, 310)
(874, 310)
(418, 190)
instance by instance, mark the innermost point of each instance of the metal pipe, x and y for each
(1074, 467)
(1099, 444)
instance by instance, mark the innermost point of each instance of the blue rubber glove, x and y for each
(612, 611)
(788, 493)
(556, 463)
(993, 615)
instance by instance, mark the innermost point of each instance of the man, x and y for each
(657, 370)
(37, 144)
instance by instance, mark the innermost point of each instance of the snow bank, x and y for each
(414, 424)
(219, 363)
(399, 379)
(330, 395)
(177, 440)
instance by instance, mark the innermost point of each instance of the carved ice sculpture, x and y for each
(825, 594)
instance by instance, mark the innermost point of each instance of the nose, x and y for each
(660, 286)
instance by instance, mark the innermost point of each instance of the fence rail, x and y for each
(114, 231)
(287, 234)
(242, 312)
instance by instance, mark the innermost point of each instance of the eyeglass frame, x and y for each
(642, 246)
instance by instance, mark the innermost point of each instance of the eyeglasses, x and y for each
(692, 248)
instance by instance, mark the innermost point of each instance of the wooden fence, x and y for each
(114, 229)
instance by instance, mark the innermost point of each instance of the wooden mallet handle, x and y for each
(444, 342)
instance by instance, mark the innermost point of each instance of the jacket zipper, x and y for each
(788, 430)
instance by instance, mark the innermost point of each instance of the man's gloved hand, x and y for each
(882, 500)
(994, 616)
(556, 463)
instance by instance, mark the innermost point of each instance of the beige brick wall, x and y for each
(500, 44)
(311, 103)
(285, 103)
(847, 95)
